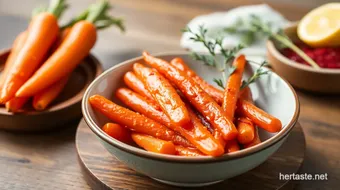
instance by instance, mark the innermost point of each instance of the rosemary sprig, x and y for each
(257, 74)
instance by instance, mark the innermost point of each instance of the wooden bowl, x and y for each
(65, 108)
(302, 76)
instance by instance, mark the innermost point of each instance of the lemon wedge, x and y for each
(321, 26)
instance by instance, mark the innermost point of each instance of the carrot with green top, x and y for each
(134, 121)
(204, 103)
(118, 132)
(133, 82)
(153, 144)
(184, 151)
(164, 94)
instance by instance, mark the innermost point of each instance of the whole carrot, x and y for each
(215, 93)
(231, 92)
(134, 121)
(164, 94)
(15, 104)
(133, 82)
(42, 32)
(232, 146)
(255, 141)
(184, 151)
(246, 130)
(118, 132)
(258, 116)
(153, 144)
(205, 104)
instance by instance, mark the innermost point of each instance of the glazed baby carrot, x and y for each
(255, 141)
(233, 85)
(164, 94)
(42, 32)
(15, 104)
(197, 134)
(134, 121)
(217, 94)
(218, 136)
(184, 151)
(153, 144)
(246, 94)
(205, 104)
(246, 130)
(43, 98)
(133, 82)
(258, 116)
(232, 146)
(118, 132)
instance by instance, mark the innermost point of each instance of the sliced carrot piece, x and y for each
(184, 151)
(232, 146)
(153, 144)
(118, 132)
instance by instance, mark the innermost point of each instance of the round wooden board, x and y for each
(103, 171)
(65, 108)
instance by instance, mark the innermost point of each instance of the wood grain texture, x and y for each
(49, 161)
(104, 171)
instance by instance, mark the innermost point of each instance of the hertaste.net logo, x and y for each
(303, 177)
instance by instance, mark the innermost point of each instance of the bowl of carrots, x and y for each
(162, 116)
(49, 66)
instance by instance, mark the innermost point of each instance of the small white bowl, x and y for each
(271, 93)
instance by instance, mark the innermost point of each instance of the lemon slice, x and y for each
(321, 26)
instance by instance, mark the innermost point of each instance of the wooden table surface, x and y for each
(49, 161)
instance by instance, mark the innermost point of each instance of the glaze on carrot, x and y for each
(15, 104)
(232, 146)
(164, 94)
(184, 151)
(259, 117)
(255, 141)
(42, 32)
(205, 104)
(246, 94)
(153, 144)
(118, 132)
(231, 92)
(133, 82)
(134, 121)
(246, 130)
(69, 54)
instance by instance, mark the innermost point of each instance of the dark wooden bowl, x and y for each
(65, 108)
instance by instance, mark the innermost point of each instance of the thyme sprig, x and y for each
(257, 74)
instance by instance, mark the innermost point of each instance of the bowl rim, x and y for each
(181, 159)
(271, 48)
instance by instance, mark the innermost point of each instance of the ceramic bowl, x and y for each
(271, 93)
(302, 76)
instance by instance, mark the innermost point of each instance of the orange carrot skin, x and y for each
(46, 96)
(15, 104)
(133, 82)
(134, 121)
(255, 141)
(205, 104)
(165, 94)
(218, 136)
(258, 116)
(231, 92)
(77, 44)
(215, 93)
(42, 32)
(232, 146)
(246, 94)
(246, 130)
(118, 132)
(184, 151)
(153, 144)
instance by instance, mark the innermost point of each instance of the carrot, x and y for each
(232, 146)
(215, 93)
(197, 134)
(164, 94)
(42, 32)
(205, 104)
(153, 144)
(136, 85)
(15, 104)
(255, 141)
(134, 121)
(258, 116)
(232, 88)
(246, 94)
(118, 132)
(246, 130)
(184, 151)
(42, 99)
(218, 136)
(73, 49)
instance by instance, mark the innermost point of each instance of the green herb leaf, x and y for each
(257, 74)
(206, 59)
(219, 82)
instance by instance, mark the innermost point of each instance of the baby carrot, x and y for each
(255, 141)
(134, 121)
(15, 104)
(133, 82)
(205, 104)
(246, 94)
(42, 32)
(246, 130)
(232, 146)
(218, 136)
(73, 49)
(232, 88)
(42, 99)
(118, 132)
(258, 116)
(184, 151)
(215, 93)
(165, 94)
(153, 144)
